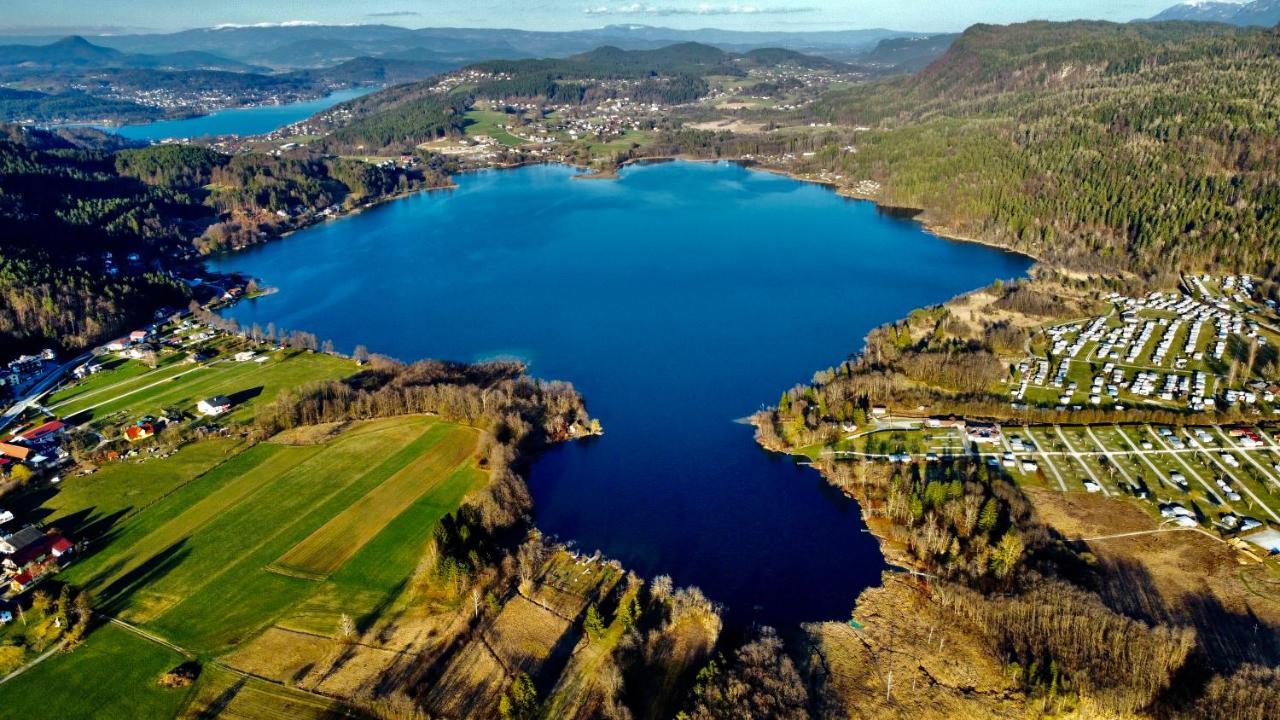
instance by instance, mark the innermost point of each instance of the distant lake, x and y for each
(677, 298)
(237, 121)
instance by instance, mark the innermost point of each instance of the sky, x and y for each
(88, 16)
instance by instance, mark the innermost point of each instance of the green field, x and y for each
(182, 386)
(193, 559)
(490, 122)
(434, 458)
(112, 675)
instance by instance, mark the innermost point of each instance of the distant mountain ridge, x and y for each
(1265, 13)
(310, 46)
(75, 52)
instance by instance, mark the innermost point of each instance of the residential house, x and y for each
(48, 431)
(18, 452)
(215, 405)
(90, 368)
(142, 431)
(20, 540)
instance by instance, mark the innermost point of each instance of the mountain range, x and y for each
(310, 46)
(75, 52)
(1265, 13)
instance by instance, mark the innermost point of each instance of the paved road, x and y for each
(46, 384)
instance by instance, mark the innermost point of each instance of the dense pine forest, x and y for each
(1147, 146)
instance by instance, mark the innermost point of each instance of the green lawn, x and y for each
(490, 122)
(121, 488)
(243, 382)
(112, 675)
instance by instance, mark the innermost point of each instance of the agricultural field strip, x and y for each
(1088, 470)
(1047, 461)
(1242, 484)
(305, 502)
(1266, 472)
(254, 698)
(1110, 458)
(225, 381)
(234, 531)
(1190, 471)
(212, 617)
(254, 469)
(77, 409)
(117, 377)
(333, 543)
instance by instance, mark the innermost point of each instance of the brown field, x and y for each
(229, 696)
(1182, 577)
(284, 656)
(470, 687)
(525, 635)
(733, 125)
(309, 434)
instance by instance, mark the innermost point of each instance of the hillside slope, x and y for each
(1150, 147)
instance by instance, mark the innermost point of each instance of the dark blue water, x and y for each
(237, 121)
(678, 298)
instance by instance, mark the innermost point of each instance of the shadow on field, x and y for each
(115, 597)
(243, 396)
(219, 704)
(86, 525)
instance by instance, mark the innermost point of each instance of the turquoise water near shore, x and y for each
(678, 298)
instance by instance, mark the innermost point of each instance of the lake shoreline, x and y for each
(575, 497)
(917, 215)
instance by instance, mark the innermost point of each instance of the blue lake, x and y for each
(677, 298)
(237, 121)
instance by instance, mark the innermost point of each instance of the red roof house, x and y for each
(53, 426)
(135, 433)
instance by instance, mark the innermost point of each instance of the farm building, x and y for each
(21, 540)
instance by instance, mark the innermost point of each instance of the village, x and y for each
(110, 405)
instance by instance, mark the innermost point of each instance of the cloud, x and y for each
(286, 23)
(394, 13)
(705, 9)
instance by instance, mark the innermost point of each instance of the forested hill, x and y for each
(92, 238)
(1151, 147)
